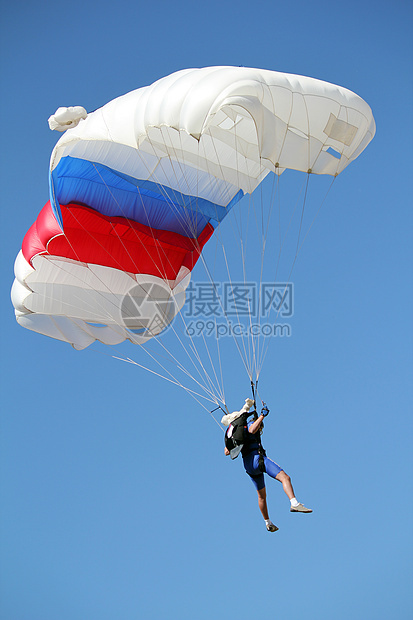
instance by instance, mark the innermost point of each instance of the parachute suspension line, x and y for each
(244, 355)
(245, 358)
(219, 382)
(217, 340)
(203, 336)
(251, 339)
(174, 382)
(274, 195)
(205, 343)
(301, 219)
(262, 231)
(208, 390)
(181, 317)
(254, 336)
(251, 351)
(182, 368)
(298, 249)
(206, 376)
(251, 366)
(279, 221)
(218, 239)
(206, 379)
(162, 191)
(256, 339)
(278, 174)
(222, 307)
(243, 246)
(220, 363)
(316, 215)
(282, 240)
(218, 297)
(239, 238)
(199, 360)
(210, 396)
(197, 184)
(265, 348)
(212, 364)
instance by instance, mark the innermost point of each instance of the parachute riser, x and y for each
(222, 409)
(254, 388)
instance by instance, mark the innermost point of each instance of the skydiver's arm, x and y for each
(253, 428)
(226, 451)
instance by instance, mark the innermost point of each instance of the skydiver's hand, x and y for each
(265, 411)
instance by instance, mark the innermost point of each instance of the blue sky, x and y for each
(117, 501)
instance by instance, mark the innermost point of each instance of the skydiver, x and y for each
(256, 462)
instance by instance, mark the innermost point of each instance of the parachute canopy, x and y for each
(139, 186)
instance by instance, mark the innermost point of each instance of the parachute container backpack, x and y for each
(234, 435)
(139, 186)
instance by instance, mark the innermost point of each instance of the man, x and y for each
(256, 462)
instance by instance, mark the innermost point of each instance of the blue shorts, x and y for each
(252, 469)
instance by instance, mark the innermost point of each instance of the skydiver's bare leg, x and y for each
(286, 482)
(262, 503)
(288, 488)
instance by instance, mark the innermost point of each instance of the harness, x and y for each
(235, 438)
(261, 451)
(238, 430)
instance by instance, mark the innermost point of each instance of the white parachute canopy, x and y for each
(139, 186)
(258, 120)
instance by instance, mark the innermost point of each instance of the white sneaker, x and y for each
(300, 508)
(271, 527)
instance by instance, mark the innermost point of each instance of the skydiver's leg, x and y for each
(286, 482)
(275, 471)
(258, 482)
(262, 502)
(288, 488)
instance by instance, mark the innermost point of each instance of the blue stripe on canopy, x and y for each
(115, 194)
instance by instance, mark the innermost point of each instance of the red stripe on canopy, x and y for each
(91, 237)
